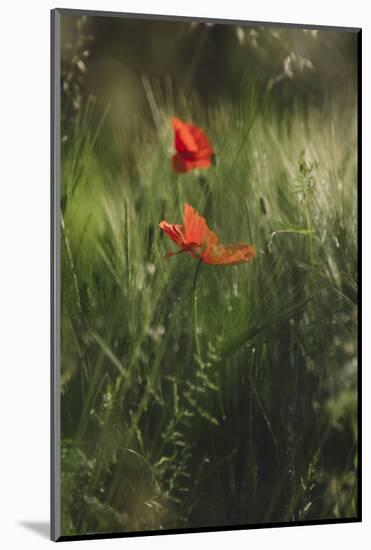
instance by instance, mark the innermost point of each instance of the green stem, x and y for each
(309, 228)
(195, 314)
(208, 202)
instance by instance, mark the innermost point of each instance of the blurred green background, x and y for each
(258, 422)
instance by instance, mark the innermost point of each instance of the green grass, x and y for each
(243, 409)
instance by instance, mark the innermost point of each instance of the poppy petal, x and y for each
(174, 231)
(196, 238)
(182, 164)
(232, 254)
(183, 140)
(179, 164)
(193, 149)
(195, 227)
(204, 149)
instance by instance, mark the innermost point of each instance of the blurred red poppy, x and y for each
(193, 149)
(195, 237)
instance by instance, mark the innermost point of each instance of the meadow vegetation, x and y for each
(229, 401)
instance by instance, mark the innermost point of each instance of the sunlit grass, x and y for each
(259, 423)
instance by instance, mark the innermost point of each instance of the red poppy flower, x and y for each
(195, 237)
(193, 149)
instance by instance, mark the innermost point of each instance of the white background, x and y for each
(24, 269)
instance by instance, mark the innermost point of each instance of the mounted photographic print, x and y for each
(205, 265)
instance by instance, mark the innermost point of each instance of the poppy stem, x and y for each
(195, 314)
(177, 196)
(207, 194)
